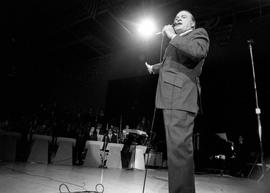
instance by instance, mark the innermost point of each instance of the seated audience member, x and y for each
(4, 125)
(124, 133)
(126, 153)
(92, 134)
(98, 132)
(80, 144)
(143, 125)
(110, 137)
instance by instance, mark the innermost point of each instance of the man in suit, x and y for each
(110, 137)
(177, 95)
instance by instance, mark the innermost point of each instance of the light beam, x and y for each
(146, 28)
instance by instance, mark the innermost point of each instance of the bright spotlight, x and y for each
(146, 28)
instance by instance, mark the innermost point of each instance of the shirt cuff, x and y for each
(173, 36)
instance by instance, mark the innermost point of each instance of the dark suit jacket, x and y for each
(92, 137)
(179, 71)
(113, 139)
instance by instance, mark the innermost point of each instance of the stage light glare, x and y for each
(146, 28)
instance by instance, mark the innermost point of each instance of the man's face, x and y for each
(183, 22)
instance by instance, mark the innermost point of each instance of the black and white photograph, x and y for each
(135, 96)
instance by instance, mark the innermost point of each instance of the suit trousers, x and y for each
(179, 129)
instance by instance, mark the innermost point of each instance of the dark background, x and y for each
(82, 54)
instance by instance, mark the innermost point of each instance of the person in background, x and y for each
(92, 134)
(110, 137)
(98, 132)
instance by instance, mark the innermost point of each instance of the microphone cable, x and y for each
(154, 113)
(152, 123)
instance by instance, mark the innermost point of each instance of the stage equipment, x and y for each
(99, 189)
(149, 139)
(137, 137)
(147, 28)
(257, 109)
(160, 32)
(135, 131)
(148, 147)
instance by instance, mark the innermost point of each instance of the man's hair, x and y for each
(194, 21)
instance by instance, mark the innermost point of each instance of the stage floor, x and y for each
(39, 178)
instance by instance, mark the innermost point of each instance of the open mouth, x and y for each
(176, 24)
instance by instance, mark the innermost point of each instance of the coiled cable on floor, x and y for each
(99, 188)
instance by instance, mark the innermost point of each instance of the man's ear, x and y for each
(193, 25)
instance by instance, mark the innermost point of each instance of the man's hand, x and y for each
(149, 68)
(169, 31)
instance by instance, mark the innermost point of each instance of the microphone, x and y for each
(160, 32)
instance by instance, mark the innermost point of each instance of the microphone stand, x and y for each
(257, 110)
(148, 149)
(149, 140)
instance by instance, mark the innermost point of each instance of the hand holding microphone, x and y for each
(168, 30)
